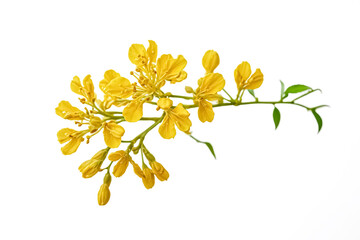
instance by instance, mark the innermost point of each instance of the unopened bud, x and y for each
(103, 194)
(107, 178)
(149, 178)
(136, 149)
(159, 171)
(189, 89)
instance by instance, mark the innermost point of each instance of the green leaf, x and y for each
(282, 93)
(207, 144)
(210, 148)
(276, 117)
(318, 119)
(252, 92)
(295, 89)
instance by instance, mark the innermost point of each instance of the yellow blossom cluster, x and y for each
(151, 73)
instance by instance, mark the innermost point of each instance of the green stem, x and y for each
(249, 103)
(228, 95)
(305, 94)
(141, 119)
(178, 96)
(142, 135)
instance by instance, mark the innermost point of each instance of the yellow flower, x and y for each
(242, 77)
(171, 69)
(121, 166)
(207, 91)
(159, 171)
(151, 75)
(86, 90)
(139, 56)
(67, 111)
(73, 137)
(148, 179)
(112, 134)
(210, 61)
(103, 194)
(178, 115)
(115, 85)
(90, 167)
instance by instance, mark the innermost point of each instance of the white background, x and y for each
(287, 184)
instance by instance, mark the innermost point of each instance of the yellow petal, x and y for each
(121, 166)
(117, 155)
(119, 87)
(171, 69)
(242, 73)
(152, 51)
(112, 134)
(210, 61)
(178, 65)
(89, 88)
(137, 52)
(182, 75)
(72, 146)
(167, 128)
(111, 74)
(255, 80)
(149, 179)
(133, 111)
(164, 103)
(211, 83)
(108, 76)
(181, 118)
(205, 111)
(163, 64)
(103, 194)
(76, 85)
(67, 111)
(64, 135)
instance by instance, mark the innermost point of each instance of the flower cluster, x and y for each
(151, 73)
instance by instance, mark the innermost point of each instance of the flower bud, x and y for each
(95, 123)
(210, 61)
(135, 150)
(189, 89)
(137, 169)
(148, 179)
(103, 194)
(90, 167)
(164, 103)
(148, 154)
(159, 171)
(107, 178)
